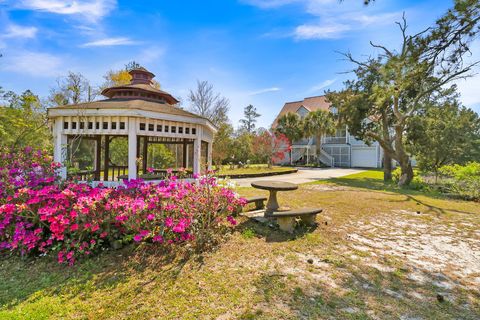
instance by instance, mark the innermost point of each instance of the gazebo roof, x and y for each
(140, 95)
(141, 87)
(128, 103)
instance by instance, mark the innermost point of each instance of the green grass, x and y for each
(260, 272)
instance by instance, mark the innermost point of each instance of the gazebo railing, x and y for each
(82, 175)
(117, 171)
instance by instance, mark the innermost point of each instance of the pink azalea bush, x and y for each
(40, 214)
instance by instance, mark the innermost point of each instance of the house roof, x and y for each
(310, 103)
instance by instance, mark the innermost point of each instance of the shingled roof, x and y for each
(138, 104)
(310, 103)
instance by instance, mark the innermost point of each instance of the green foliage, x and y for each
(250, 113)
(23, 122)
(291, 125)
(417, 181)
(248, 233)
(400, 83)
(319, 123)
(242, 147)
(444, 134)
(463, 180)
(222, 144)
(160, 157)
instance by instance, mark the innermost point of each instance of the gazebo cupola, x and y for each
(141, 114)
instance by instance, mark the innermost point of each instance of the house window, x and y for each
(166, 128)
(194, 130)
(187, 130)
(65, 125)
(151, 127)
(74, 125)
(90, 125)
(82, 125)
(180, 129)
(174, 129)
(97, 125)
(159, 127)
(105, 126)
(142, 126)
(114, 126)
(122, 125)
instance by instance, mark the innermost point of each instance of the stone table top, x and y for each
(274, 185)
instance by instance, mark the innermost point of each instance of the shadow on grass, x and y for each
(270, 231)
(410, 194)
(364, 293)
(23, 278)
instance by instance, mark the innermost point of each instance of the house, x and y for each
(340, 150)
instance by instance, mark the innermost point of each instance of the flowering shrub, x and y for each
(272, 145)
(39, 214)
(463, 180)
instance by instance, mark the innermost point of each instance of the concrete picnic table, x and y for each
(273, 187)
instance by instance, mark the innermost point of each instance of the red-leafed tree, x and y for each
(271, 146)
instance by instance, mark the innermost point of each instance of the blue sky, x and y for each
(260, 52)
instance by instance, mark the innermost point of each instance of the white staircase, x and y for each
(326, 159)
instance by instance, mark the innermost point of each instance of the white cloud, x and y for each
(332, 19)
(16, 31)
(91, 10)
(108, 42)
(322, 85)
(37, 64)
(333, 31)
(266, 90)
(150, 55)
(265, 4)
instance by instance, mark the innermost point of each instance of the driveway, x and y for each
(303, 175)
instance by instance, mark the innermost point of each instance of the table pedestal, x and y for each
(272, 203)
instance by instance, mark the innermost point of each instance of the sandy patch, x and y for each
(441, 254)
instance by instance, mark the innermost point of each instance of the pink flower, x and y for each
(150, 170)
(158, 238)
(169, 222)
(74, 227)
(150, 217)
(232, 221)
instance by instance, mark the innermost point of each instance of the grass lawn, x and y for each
(252, 169)
(378, 253)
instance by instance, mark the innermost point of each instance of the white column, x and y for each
(209, 155)
(60, 147)
(188, 158)
(197, 153)
(132, 148)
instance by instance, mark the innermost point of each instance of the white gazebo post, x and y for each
(197, 152)
(132, 148)
(60, 145)
(209, 156)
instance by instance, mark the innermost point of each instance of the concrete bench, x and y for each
(259, 202)
(286, 219)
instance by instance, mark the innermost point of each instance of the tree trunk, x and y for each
(387, 167)
(406, 175)
(318, 143)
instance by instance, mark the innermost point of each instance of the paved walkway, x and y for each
(303, 175)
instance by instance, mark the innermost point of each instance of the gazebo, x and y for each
(139, 112)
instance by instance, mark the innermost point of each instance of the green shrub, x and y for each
(463, 180)
(417, 182)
